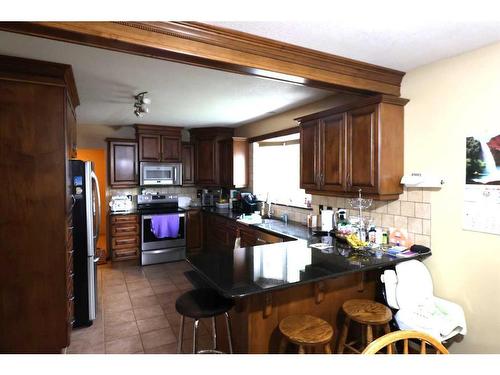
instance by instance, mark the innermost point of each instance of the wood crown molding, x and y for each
(224, 49)
(353, 105)
(43, 72)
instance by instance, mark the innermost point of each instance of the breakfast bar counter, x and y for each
(270, 282)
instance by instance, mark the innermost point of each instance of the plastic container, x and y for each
(222, 205)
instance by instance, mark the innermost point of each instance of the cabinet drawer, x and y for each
(124, 219)
(125, 229)
(263, 237)
(125, 253)
(124, 242)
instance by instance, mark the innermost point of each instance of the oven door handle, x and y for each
(162, 251)
(145, 217)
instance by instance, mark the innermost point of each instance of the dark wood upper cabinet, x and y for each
(333, 152)
(233, 160)
(354, 146)
(309, 155)
(171, 149)
(187, 157)
(159, 143)
(362, 165)
(220, 159)
(206, 170)
(150, 147)
(122, 163)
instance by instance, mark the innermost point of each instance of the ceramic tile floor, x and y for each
(136, 312)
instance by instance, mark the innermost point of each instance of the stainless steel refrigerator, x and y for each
(86, 221)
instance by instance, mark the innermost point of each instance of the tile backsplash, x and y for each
(412, 211)
(179, 190)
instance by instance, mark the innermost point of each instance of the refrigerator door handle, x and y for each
(98, 213)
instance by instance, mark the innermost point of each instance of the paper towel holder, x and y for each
(423, 180)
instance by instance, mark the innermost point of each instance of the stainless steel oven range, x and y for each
(163, 228)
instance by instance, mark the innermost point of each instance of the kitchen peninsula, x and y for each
(270, 282)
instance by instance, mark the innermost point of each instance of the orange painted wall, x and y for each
(98, 156)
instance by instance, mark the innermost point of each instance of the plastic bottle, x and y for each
(372, 234)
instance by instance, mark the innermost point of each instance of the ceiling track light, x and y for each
(141, 104)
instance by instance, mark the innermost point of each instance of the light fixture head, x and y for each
(141, 103)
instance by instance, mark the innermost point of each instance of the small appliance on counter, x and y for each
(210, 196)
(121, 203)
(184, 202)
(249, 203)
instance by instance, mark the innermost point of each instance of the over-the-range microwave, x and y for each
(160, 173)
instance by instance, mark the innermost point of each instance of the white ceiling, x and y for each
(400, 37)
(181, 94)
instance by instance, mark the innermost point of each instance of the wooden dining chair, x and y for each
(388, 341)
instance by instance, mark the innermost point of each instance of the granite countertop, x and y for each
(274, 226)
(252, 270)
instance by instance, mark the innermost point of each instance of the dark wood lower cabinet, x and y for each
(220, 233)
(194, 227)
(124, 237)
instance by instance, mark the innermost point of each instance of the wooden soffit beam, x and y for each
(219, 48)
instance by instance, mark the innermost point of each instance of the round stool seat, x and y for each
(202, 303)
(367, 312)
(306, 330)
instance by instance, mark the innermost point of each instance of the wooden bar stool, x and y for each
(307, 332)
(367, 313)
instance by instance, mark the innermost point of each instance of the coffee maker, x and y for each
(210, 196)
(249, 203)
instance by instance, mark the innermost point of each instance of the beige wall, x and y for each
(93, 136)
(450, 99)
(285, 120)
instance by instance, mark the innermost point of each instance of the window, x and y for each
(276, 171)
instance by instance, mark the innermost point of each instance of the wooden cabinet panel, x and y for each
(71, 129)
(124, 229)
(171, 149)
(37, 138)
(362, 149)
(122, 163)
(187, 164)
(124, 242)
(149, 147)
(309, 142)
(206, 163)
(124, 239)
(125, 219)
(333, 153)
(193, 230)
(225, 148)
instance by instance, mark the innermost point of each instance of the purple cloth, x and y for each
(165, 226)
